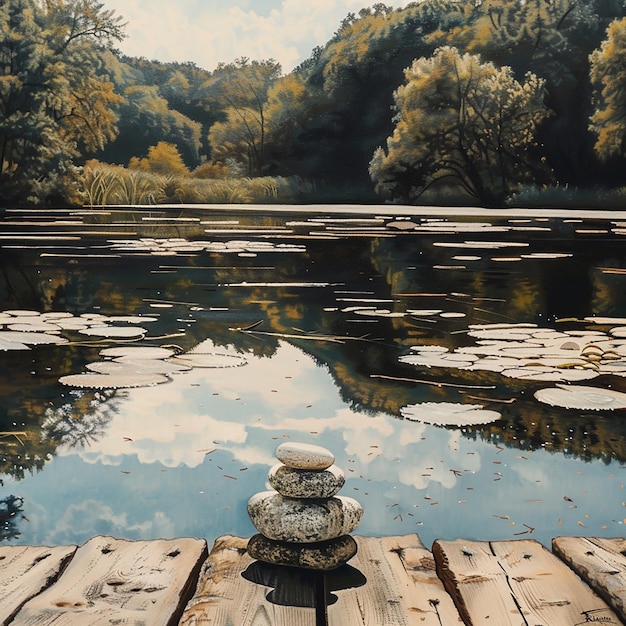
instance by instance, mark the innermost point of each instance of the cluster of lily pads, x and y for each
(142, 366)
(178, 245)
(529, 352)
(123, 366)
(21, 329)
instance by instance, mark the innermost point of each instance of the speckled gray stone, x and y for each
(303, 521)
(297, 483)
(324, 556)
(304, 456)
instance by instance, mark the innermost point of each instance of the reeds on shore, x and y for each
(105, 184)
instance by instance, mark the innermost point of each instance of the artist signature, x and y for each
(594, 617)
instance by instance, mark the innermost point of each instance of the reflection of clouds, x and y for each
(92, 517)
(409, 476)
(248, 411)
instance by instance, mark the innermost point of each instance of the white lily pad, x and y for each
(22, 313)
(449, 414)
(140, 366)
(131, 319)
(549, 374)
(31, 338)
(35, 327)
(6, 345)
(114, 331)
(582, 397)
(215, 360)
(424, 312)
(56, 315)
(125, 380)
(137, 352)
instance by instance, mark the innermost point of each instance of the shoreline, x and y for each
(389, 209)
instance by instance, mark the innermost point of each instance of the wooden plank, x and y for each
(402, 587)
(25, 572)
(112, 581)
(390, 581)
(224, 597)
(599, 562)
(516, 582)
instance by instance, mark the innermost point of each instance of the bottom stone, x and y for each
(324, 555)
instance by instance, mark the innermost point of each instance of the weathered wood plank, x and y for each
(599, 562)
(402, 587)
(223, 596)
(115, 581)
(516, 582)
(26, 571)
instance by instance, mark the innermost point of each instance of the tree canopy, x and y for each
(464, 123)
(505, 93)
(54, 105)
(608, 73)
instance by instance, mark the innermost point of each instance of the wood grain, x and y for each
(25, 572)
(402, 587)
(391, 581)
(516, 583)
(223, 596)
(111, 581)
(599, 562)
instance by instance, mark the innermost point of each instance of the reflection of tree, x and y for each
(10, 507)
(80, 423)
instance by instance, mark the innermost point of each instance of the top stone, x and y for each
(304, 456)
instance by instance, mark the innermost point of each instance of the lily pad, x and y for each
(214, 360)
(30, 338)
(137, 352)
(449, 414)
(582, 397)
(12, 345)
(35, 327)
(140, 366)
(114, 331)
(124, 380)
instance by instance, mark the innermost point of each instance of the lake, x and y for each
(466, 367)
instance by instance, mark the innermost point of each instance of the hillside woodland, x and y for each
(491, 102)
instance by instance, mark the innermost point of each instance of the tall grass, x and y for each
(560, 196)
(105, 184)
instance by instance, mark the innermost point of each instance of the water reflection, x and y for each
(333, 336)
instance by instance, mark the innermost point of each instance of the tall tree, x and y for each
(241, 88)
(464, 124)
(608, 73)
(53, 102)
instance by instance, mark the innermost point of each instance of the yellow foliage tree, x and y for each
(164, 159)
(608, 73)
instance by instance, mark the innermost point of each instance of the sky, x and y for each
(208, 32)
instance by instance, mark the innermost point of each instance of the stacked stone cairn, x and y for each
(302, 522)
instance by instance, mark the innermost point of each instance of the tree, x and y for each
(164, 159)
(53, 102)
(241, 88)
(608, 74)
(464, 124)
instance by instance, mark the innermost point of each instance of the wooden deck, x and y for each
(391, 581)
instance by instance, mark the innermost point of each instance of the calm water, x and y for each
(466, 370)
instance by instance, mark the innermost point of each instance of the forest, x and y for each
(488, 102)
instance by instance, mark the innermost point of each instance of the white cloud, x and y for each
(208, 33)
